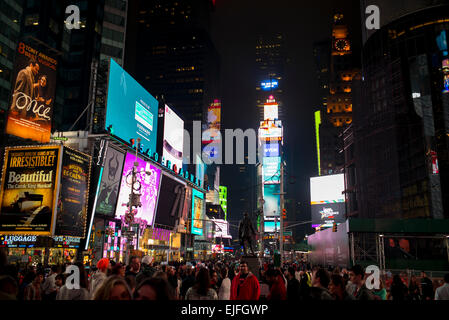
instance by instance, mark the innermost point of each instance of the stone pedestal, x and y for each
(253, 264)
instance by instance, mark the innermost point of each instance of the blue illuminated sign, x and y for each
(131, 110)
(269, 84)
(271, 149)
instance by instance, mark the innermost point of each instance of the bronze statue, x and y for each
(246, 233)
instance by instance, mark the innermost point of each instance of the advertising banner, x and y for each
(271, 168)
(271, 149)
(131, 110)
(110, 182)
(270, 130)
(73, 195)
(221, 229)
(272, 200)
(33, 93)
(271, 111)
(183, 222)
(198, 212)
(326, 214)
(271, 226)
(171, 201)
(29, 190)
(173, 138)
(148, 177)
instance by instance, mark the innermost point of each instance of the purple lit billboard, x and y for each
(149, 188)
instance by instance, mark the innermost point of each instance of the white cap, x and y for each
(147, 260)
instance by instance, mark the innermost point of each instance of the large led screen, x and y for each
(221, 229)
(327, 189)
(33, 94)
(131, 110)
(171, 201)
(29, 190)
(326, 214)
(270, 111)
(271, 149)
(271, 170)
(148, 177)
(270, 226)
(110, 182)
(173, 138)
(270, 130)
(198, 210)
(272, 200)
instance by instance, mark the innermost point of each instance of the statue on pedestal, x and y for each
(246, 234)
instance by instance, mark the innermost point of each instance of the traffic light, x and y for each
(284, 213)
(334, 227)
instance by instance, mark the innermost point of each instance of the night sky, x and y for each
(234, 27)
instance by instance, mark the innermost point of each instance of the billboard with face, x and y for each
(73, 196)
(131, 110)
(148, 177)
(33, 93)
(110, 182)
(173, 138)
(30, 182)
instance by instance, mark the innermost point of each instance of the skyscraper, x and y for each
(172, 54)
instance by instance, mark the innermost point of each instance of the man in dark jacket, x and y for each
(426, 287)
(146, 270)
(320, 282)
(188, 281)
(292, 286)
(357, 277)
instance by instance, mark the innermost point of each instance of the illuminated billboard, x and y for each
(148, 177)
(272, 200)
(33, 94)
(268, 85)
(72, 205)
(271, 111)
(271, 226)
(131, 110)
(187, 206)
(271, 168)
(211, 136)
(173, 138)
(221, 229)
(198, 212)
(30, 183)
(109, 182)
(270, 130)
(171, 201)
(271, 149)
(327, 200)
(223, 199)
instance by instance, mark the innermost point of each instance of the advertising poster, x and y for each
(131, 110)
(326, 214)
(73, 195)
(33, 94)
(183, 222)
(272, 226)
(270, 111)
(198, 210)
(173, 138)
(171, 201)
(148, 178)
(110, 182)
(271, 149)
(221, 229)
(270, 130)
(29, 190)
(272, 204)
(271, 168)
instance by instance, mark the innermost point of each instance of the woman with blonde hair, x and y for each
(114, 288)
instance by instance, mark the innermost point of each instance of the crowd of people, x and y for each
(143, 279)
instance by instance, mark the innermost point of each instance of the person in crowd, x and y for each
(426, 287)
(304, 285)
(245, 285)
(28, 278)
(201, 290)
(320, 283)
(99, 276)
(66, 293)
(161, 274)
(147, 270)
(172, 279)
(59, 282)
(8, 288)
(49, 286)
(380, 293)
(131, 282)
(153, 289)
(214, 280)
(118, 270)
(114, 288)
(33, 291)
(224, 293)
(413, 289)
(337, 288)
(134, 266)
(442, 293)
(293, 287)
(357, 278)
(187, 282)
(277, 285)
(398, 289)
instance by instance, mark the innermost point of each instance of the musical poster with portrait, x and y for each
(33, 94)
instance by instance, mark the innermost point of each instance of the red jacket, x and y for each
(249, 289)
(277, 290)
